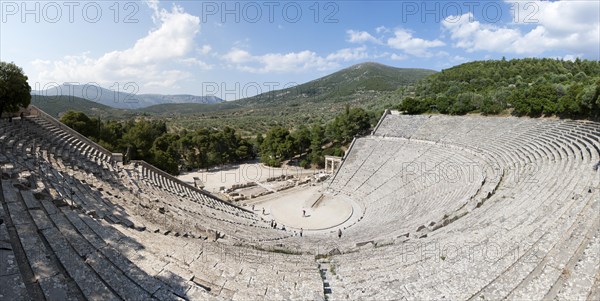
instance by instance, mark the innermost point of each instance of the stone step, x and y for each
(105, 242)
(582, 278)
(47, 271)
(556, 261)
(12, 286)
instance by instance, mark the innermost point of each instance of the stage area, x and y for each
(286, 208)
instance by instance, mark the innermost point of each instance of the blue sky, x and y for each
(234, 49)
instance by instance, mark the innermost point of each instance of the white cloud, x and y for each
(293, 62)
(379, 55)
(173, 38)
(196, 63)
(146, 62)
(153, 4)
(399, 39)
(571, 57)
(459, 59)
(474, 36)
(349, 54)
(238, 56)
(560, 17)
(572, 26)
(382, 29)
(277, 62)
(404, 40)
(205, 49)
(398, 57)
(361, 37)
(168, 79)
(304, 60)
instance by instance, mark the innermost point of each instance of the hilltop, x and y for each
(354, 83)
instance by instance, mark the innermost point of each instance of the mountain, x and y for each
(123, 97)
(369, 85)
(57, 105)
(356, 82)
(353, 84)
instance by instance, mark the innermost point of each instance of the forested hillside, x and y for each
(532, 87)
(173, 150)
(367, 85)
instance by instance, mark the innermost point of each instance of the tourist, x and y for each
(339, 233)
(303, 213)
(301, 230)
(252, 207)
(263, 210)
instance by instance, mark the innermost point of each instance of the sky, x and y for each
(236, 49)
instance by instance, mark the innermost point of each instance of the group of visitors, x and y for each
(301, 233)
(274, 225)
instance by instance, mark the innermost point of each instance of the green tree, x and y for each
(164, 161)
(111, 135)
(218, 154)
(243, 152)
(490, 107)
(81, 123)
(588, 97)
(412, 106)
(317, 139)
(465, 103)
(278, 145)
(165, 154)
(187, 149)
(358, 123)
(258, 142)
(302, 138)
(530, 86)
(202, 143)
(140, 137)
(443, 104)
(15, 92)
(351, 122)
(568, 104)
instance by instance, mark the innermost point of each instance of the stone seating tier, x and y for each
(459, 208)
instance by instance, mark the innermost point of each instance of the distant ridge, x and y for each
(58, 105)
(372, 86)
(353, 84)
(124, 98)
